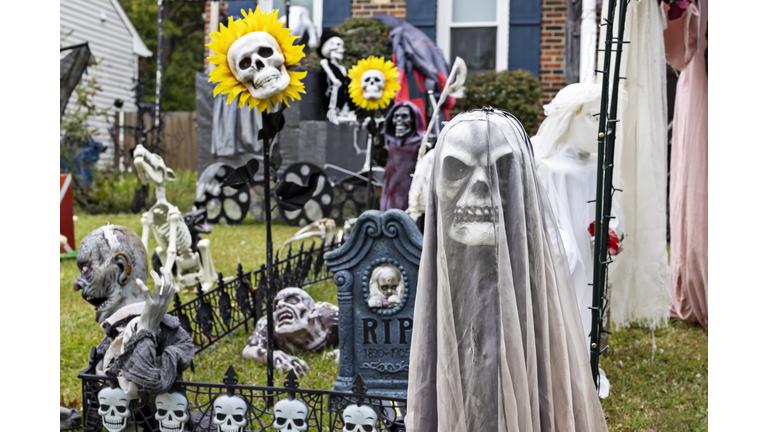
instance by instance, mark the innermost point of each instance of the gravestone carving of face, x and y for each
(229, 413)
(113, 408)
(466, 185)
(293, 310)
(359, 418)
(171, 412)
(583, 129)
(386, 286)
(110, 259)
(333, 49)
(373, 84)
(290, 415)
(403, 121)
(257, 61)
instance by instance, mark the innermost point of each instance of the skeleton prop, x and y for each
(300, 325)
(331, 52)
(403, 129)
(230, 413)
(495, 315)
(290, 415)
(386, 287)
(171, 414)
(257, 61)
(165, 221)
(113, 409)
(373, 84)
(326, 229)
(359, 418)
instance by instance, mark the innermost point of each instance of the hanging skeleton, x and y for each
(175, 249)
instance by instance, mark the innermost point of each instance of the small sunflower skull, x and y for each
(373, 84)
(257, 61)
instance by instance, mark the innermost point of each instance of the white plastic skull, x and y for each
(333, 49)
(359, 418)
(373, 84)
(290, 415)
(229, 413)
(113, 408)
(403, 121)
(467, 184)
(171, 412)
(257, 61)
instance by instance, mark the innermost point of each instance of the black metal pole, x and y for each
(270, 294)
(159, 69)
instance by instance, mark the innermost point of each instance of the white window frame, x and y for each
(317, 13)
(445, 24)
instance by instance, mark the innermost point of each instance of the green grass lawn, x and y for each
(661, 390)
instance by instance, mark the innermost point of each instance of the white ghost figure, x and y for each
(113, 408)
(229, 413)
(290, 415)
(359, 418)
(171, 412)
(468, 198)
(373, 82)
(257, 61)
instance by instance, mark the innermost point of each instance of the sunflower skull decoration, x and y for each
(374, 83)
(254, 57)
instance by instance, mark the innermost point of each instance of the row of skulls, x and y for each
(229, 413)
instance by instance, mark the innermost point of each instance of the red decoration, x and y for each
(614, 243)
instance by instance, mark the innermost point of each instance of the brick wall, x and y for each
(368, 8)
(551, 67)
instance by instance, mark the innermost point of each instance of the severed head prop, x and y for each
(110, 260)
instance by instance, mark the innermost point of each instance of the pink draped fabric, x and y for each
(685, 44)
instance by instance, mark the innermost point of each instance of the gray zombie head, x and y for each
(110, 260)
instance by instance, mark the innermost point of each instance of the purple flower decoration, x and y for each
(87, 124)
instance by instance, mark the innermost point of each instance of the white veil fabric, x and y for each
(497, 340)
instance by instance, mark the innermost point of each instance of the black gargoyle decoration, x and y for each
(244, 175)
(292, 196)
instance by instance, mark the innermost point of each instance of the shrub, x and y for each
(517, 92)
(363, 37)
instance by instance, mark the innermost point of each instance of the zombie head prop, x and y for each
(110, 260)
(300, 324)
(331, 46)
(150, 167)
(113, 409)
(290, 415)
(257, 61)
(403, 121)
(386, 286)
(359, 418)
(171, 414)
(571, 118)
(467, 186)
(373, 84)
(230, 413)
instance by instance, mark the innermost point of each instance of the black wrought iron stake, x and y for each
(604, 192)
(270, 294)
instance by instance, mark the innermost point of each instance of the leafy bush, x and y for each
(363, 37)
(112, 192)
(517, 92)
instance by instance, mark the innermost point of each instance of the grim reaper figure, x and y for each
(497, 339)
(403, 129)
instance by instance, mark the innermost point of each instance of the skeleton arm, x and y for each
(174, 221)
(256, 350)
(146, 223)
(336, 85)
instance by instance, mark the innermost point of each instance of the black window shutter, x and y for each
(335, 12)
(421, 14)
(524, 35)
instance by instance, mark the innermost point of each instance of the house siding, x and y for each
(111, 44)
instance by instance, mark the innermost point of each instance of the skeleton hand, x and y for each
(284, 362)
(156, 307)
(333, 115)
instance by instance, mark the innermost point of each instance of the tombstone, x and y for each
(376, 272)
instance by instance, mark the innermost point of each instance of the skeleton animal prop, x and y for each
(166, 223)
(300, 325)
(326, 229)
(290, 415)
(171, 414)
(386, 287)
(359, 418)
(257, 61)
(230, 413)
(111, 259)
(113, 409)
(373, 84)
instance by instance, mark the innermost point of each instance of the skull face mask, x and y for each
(403, 121)
(359, 418)
(113, 408)
(171, 412)
(466, 185)
(373, 84)
(257, 61)
(290, 415)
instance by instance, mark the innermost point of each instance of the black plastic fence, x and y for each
(324, 407)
